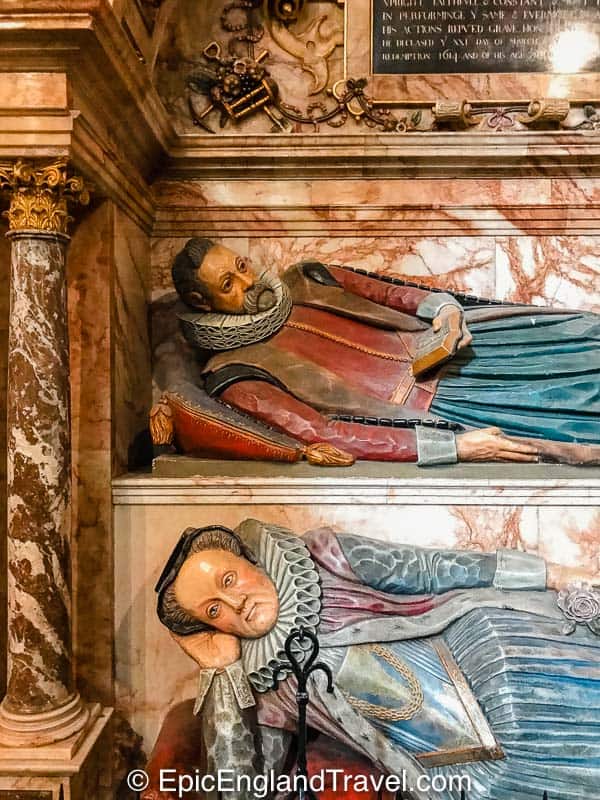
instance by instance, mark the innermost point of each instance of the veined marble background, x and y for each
(534, 240)
(529, 240)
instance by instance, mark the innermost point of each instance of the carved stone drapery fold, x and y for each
(40, 194)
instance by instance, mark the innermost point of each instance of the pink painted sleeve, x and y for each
(400, 298)
(279, 409)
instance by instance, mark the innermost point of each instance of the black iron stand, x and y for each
(303, 670)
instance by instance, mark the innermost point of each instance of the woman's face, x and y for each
(228, 593)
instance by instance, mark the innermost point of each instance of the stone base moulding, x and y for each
(67, 724)
(74, 769)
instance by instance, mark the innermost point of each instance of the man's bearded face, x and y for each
(230, 284)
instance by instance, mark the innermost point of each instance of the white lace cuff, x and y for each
(238, 680)
(431, 306)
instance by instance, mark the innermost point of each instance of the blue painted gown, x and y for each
(538, 688)
(531, 375)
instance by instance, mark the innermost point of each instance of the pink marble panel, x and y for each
(131, 372)
(108, 282)
(354, 193)
(455, 263)
(40, 90)
(575, 191)
(88, 276)
(89, 268)
(561, 271)
(571, 537)
(487, 528)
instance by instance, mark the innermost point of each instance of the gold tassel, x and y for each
(161, 423)
(325, 455)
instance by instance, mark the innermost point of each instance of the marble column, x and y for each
(41, 705)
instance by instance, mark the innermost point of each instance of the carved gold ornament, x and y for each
(408, 711)
(39, 195)
(322, 454)
(546, 110)
(285, 10)
(455, 113)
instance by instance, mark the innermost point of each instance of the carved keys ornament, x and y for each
(40, 194)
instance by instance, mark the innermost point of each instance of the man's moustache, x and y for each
(259, 298)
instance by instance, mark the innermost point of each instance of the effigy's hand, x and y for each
(490, 444)
(210, 649)
(574, 453)
(462, 335)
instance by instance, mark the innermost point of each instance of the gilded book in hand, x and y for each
(435, 347)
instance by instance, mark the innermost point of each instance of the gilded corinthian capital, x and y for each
(40, 193)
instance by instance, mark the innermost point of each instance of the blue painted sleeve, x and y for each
(407, 569)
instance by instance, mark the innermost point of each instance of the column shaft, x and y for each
(40, 706)
(39, 477)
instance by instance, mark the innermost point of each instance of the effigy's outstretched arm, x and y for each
(406, 297)
(281, 410)
(408, 569)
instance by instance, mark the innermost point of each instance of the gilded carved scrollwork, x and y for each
(40, 194)
(161, 423)
(546, 110)
(285, 10)
(455, 113)
(312, 46)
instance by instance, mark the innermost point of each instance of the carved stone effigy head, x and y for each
(212, 581)
(231, 304)
(211, 277)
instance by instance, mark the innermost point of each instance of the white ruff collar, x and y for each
(286, 560)
(216, 331)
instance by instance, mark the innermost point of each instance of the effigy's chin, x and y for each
(266, 300)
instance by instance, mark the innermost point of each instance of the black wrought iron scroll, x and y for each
(303, 666)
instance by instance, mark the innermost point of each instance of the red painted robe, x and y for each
(353, 360)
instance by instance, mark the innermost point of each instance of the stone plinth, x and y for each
(77, 768)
